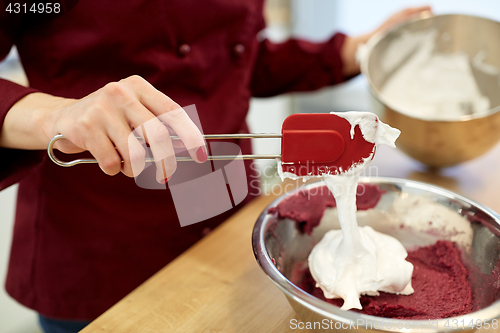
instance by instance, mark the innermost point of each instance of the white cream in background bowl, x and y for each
(437, 79)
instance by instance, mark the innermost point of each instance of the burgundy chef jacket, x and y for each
(82, 239)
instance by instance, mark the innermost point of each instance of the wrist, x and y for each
(29, 124)
(50, 114)
(350, 64)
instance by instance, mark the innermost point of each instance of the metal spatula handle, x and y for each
(50, 149)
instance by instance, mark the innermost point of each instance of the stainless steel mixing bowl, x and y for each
(450, 142)
(278, 240)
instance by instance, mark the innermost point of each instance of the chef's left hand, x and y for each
(348, 53)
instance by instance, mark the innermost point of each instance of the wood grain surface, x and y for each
(217, 286)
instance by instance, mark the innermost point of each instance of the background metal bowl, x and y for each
(442, 143)
(279, 240)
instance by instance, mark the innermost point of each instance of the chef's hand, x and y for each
(351, 66)
(102, 123)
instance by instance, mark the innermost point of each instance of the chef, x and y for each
(98, 69)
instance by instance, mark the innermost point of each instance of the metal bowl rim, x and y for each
(378, 95)
(333, 312)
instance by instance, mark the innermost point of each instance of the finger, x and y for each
(178, 144)
(137, 156)
(161, 146)
(410, 12)
(157, 136)
(138, 133)
(129, 148)
(422, 9)
(170, 113)
(105, 153)
(187, 131)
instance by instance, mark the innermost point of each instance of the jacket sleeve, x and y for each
(297, 65)
(15, 163)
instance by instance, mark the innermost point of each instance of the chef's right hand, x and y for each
(102, 123)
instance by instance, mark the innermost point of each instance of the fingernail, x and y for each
(201, 154)
(164, 181)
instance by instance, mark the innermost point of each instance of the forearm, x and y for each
(26, 123)
(297, 65)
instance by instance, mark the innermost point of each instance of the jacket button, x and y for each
(239, 49)
(184, 49)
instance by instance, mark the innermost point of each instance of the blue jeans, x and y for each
(61, 326)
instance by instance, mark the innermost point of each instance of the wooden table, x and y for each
(217, 286)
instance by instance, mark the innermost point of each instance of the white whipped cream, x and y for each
(373, 131)
(431, 84)
(357, 261)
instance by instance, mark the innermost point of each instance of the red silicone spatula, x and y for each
(317, 143)
(311, 144)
